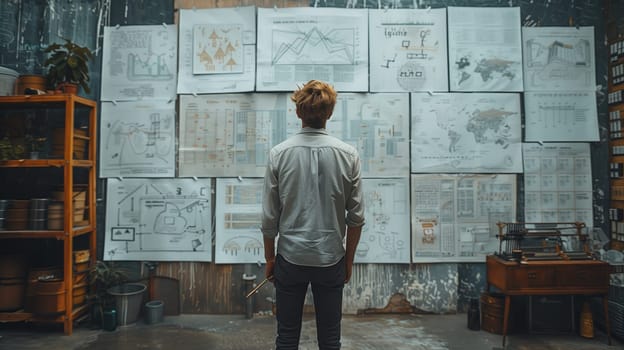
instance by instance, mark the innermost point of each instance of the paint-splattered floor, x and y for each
(379, 332)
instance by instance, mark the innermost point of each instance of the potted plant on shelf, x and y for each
(68, 66)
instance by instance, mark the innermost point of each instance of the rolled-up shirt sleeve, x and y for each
(270, 202)
(355, 201)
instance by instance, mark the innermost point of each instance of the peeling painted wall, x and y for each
(27, 26)
(428, 287)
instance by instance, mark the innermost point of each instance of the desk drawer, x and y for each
(531, 278)
(582, 276)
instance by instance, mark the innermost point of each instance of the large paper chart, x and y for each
(559, 58)
(558, 183)
(217, 50)
(561, 116)
(386, 235)
(296, 45)
(454, 216)
(229, 135)
(158, 220)
(237, 224)
(485, 49)
(377, 125)
(466, 133)
(139, 62)
(137, 139)
(410, 50)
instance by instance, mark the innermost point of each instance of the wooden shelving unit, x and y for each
(616, 141)
(76, 117)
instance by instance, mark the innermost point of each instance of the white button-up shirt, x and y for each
(312, 191)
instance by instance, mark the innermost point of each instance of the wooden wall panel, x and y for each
(207, 288)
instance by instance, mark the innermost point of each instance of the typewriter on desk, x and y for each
(525, 241)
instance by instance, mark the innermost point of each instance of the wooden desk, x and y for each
(554, 277)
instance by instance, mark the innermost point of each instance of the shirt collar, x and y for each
(309, 130)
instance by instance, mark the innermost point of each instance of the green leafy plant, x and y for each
(68, 64)
(102, 276)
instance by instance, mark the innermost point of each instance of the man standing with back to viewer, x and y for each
(312, 195)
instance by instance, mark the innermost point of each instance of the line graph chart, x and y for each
(296, 45)
(335, 46)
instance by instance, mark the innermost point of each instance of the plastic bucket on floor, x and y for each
(154, 311)
(128, 301)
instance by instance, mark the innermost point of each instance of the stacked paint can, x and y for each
(38, 213)
(17, 215)
(4, 204)
(23, 214)
(55, 215)
(12, 281)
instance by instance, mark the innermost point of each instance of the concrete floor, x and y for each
(233, 332)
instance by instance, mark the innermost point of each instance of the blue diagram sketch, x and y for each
(139, 62)
(237, 225)
(559, 58)
(158, 219)
(410, 50)
(385, 237)
(231, 134)
(378, 126)
(137, 139)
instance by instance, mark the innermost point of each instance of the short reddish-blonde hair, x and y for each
(315, 102)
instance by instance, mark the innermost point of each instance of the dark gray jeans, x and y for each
(291, 285)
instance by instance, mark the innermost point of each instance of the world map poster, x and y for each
(485, 49)
(466, 133)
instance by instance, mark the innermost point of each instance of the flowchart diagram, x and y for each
(158, 219)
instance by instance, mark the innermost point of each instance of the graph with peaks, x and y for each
(335, 46)
(296, 45)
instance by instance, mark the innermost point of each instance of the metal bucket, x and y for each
(38, 213)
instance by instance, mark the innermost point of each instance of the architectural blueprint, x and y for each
(466, 133)
(454, 216)
(296, 45)
(137, 139)
(559, 58)
(158, 220)
(386, 235)
(410, 50)
(558, 183)
(485, 49)
(217, 50)
(561, 116)
(377, 125)
(229, 135)
(139, 62)
(237, 221)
